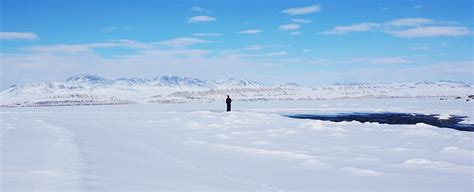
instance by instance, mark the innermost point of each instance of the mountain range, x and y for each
(86, 89)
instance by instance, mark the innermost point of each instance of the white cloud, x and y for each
(418, 6)
(206, 34)
(246, 49)
(405, 22)
(280, 53)
(132, 44)
(111, 29)
(295, 33)
(428, 71)
(289, 27)
(183, 42)
(420, 47)
(301, 20)
(36, 66)
(199, 9)
(252, 57)
(339, 30)
(302, 10)
(89, 47)
(254, 47)
(405, 27)
(431, 31)
(248, 23)
(61, 48)
(18, 36)
(250, 31)
(201, 18)
(257, 47)
(108, 29)
(389, 60)
(374, 60)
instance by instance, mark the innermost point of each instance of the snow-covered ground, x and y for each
(198, 147)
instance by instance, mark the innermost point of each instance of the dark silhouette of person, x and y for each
(228, 101)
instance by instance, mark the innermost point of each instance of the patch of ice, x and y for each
(443, 116)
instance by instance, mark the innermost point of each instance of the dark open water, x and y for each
(393, 118)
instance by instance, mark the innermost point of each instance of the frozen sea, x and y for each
(199, 147)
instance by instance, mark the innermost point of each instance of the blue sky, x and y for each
(307, 42)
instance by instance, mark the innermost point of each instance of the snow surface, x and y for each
(198, 147)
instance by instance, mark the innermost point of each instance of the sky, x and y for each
(310, 42)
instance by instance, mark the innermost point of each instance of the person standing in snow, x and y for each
(228, 101)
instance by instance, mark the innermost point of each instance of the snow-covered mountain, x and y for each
(85, 89)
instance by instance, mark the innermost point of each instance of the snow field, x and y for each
(182, 148)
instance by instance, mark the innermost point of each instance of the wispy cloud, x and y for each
(389, 60)
(432, 31)
(201, 18)
(122, 43)
(193, 62)
(248, 23)
(199, 9)
(407, 22)
(338, 30)
(452, 70)
(88, 47)
(245, 52)
(295, 33)
(250, 31)
(375, 60)
(420, 47)
(132, 44)
(302, 10)
(211, 64)
(289, 27)
(18, 36)
(418, 6)
(280, 53)
(301, 20)
(258, 47)
(254, 52)
(66, 48)
(111, 29)
(206, 34)
(405, 27)
(254, 47)
(183, 42)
